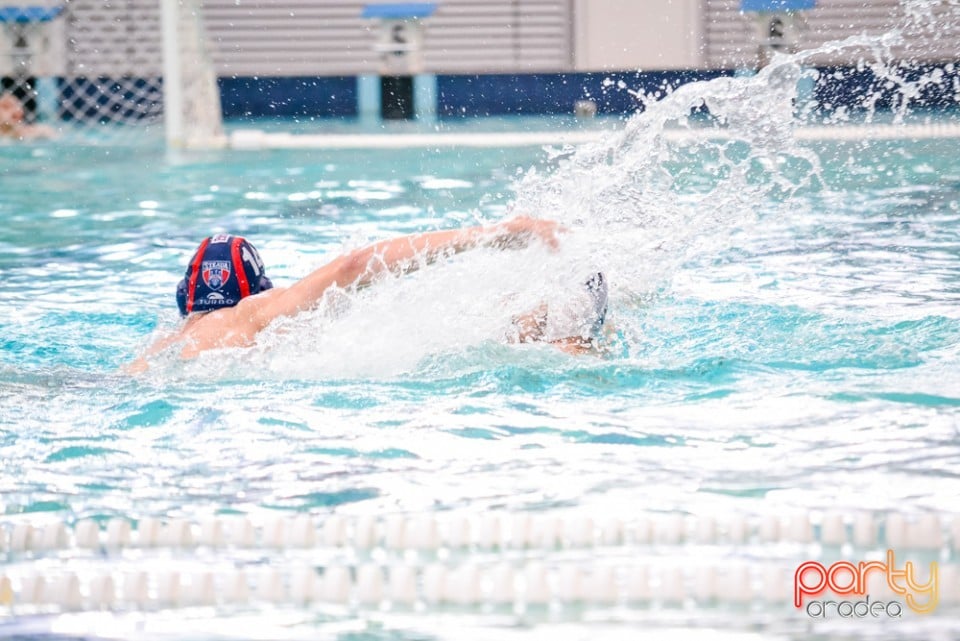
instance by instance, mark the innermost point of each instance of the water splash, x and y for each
(681, 183)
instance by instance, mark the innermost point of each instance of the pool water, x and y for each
(784, 334)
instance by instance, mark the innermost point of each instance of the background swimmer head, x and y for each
(223, 271)
(11, 110)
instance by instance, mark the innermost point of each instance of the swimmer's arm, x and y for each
(37, 132)
(399, 255)
(406, 254)
(27, 133)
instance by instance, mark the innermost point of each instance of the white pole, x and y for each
(172, 80)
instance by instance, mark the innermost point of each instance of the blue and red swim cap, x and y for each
(223, 271)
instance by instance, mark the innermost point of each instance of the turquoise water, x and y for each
(785, 335)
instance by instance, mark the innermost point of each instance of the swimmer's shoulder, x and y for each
(235, 326)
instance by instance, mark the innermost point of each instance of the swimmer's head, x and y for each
(11, 110)
(580, 313)
(223, 271)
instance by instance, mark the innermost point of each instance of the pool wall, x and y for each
(301, 58)
(460, 95)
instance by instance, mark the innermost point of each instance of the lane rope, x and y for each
(484, 531)
(254, 139)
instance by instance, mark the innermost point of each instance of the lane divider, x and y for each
(255, 139)
(879, 132)
(369, 585)
(485, 531)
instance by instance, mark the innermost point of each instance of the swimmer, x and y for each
(227, 299)
(12, 124)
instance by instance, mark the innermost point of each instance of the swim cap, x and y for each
(223, 271)
(579, 312)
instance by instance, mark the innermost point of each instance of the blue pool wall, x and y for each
(553, 93)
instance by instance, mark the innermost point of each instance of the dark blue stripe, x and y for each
(534, 94)
(256, 97)
(850, 88)
(502, 94)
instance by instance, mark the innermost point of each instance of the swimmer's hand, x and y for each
(520, 229)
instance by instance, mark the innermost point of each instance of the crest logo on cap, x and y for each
(215, 273)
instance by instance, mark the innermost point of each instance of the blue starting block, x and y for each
(399, 10)
(401, 90)
(775, 24)
(776, 6)
(27, 15)
(31, 54)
